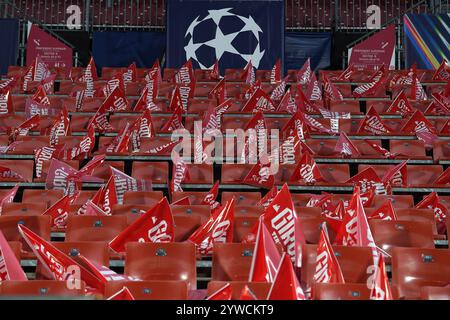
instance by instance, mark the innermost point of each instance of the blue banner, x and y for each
(9, 38)
(120, 49)
(301, 45)
(232, 32)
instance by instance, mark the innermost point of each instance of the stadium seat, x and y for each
(40, 288)
(398, 201)
(414, 268)
(162, 261)
(38, 196)
(23, 209)
(242, 226)
(185, 226)
(93, 228)
(347, 291)
(231, 261)
(242, 198)
(157, 172)
(259, 289)
(23, 167)
(435, 293)
(389, 234)
(150, 290)
(142, 197)
(204, 212)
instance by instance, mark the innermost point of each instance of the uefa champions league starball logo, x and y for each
(220, 33)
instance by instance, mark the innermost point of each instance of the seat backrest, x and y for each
(162, 261)
(41, 225)
(354, 263)
(49, 197)
(242, 226)
(389, 234)
(398, 201)
(242, 198)
(150, 290)
(24, 209)
(204, 212)
(40, 288)
(411, 148)
(157, 172)
(23, 167)
(435, 293)
(259, 289)
(347, 291)
(185, 226)
(142, 197)
(231, 261)
(93, 228)
(413, 268)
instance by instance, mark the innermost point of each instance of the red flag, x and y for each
(215, 72)
(247, 294)
(45, 154)
(268, 198)
(108, 196)
(41, 96)
(162, 149)
(6, 172)
(219, 92)
(417, 90)
(304, 74)
(104, 274)
(8, 198)
(249, 73)
(398, 175)
(296, 126)
(49, 84)
(41, 70)
(213, 118)
(10, 269)
(432, 201)
(119, 143)
(385, 212)
(275, 73)
(250, 237)
(328, 269)
(223, 293)
(260, 176)
(180, 174)
(100, 121)
(115, 101)
(287, 103)
(307, 171)
(418, 123)
(346, 75)
(278, 93)
(368, 180)
(27, 78)
(59, 127)
(24, 128)
(185, 78)
(85, 146)
(444, 178)
(123, 294)
(125, 183)
(375, 83)
(331, 91)
(443, 72)
(345, 146)
(286, 285)
(142, 103)
(439, 105)
(156, 226)
(266, 257)
(255, 142)
(6, 104)
(400, 105)
(142, 128)
(130, 75)
(153, 80)
(174, 123)
(210, 198)
(281, 221)
(313, 91)
(8, 84)
(182, 202)
(33, 108)
(382, 151)
(372, 123)
(89, 77)
(57, 263)
(259, 101)
(218, 229)
(59, 212)
(381, 288)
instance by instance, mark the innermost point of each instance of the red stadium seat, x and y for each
(150, 290)
(398, 201)
(231, 261)
(259, 289)
(92, 228)
(414, 268)
(40, 288)
(185, 226)
(157, 172)
(142, 197)
(38, 196)
(204, 212)
(23, 209)
(23, 167)
(162, 261)
(242, 226)
(435, 293)
(347, 291)
(242, 198)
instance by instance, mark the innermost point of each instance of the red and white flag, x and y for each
(120, 143)
(185, 79)
(313, 91)
(345, 147)
(215, 72)
(249, 73)
(130, 74)
(287, 103)
(385, 212)
(224, 293)
(123, 294)
(211, 196)
(346, 75)
(305, 73)
(24, 128)
(143, 127)
(275, 73)
(268, 198)
(381, 289)
(84, 147)
(180, 174)
(116, 82)
(10, 269)
(278, 93)
(259, 101)
(400, 105)
(59, 212)
(286, 285)
(331, 91)
(212, 120)
(125, 183)
(175, 121)
(307, 171)
(8, 198)
(115, 101)
(443, 72)
(59, 127)
(373, 124)
(368, 180)
(6, 104)
(99, 120)
(266, 258)
(45, 154)
(418, 123)
(218, 229)
(260, 176)
(155, 226)
(432, 201)
(376, 81)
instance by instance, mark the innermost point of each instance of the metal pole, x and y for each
(87, 9)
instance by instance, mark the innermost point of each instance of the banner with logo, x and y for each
(232, 32)
(377, 50)
(51, 51)
(427, 39)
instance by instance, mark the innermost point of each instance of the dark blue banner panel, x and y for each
(9, 38)
(232, 32)
(120, 49)
(301, 45)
